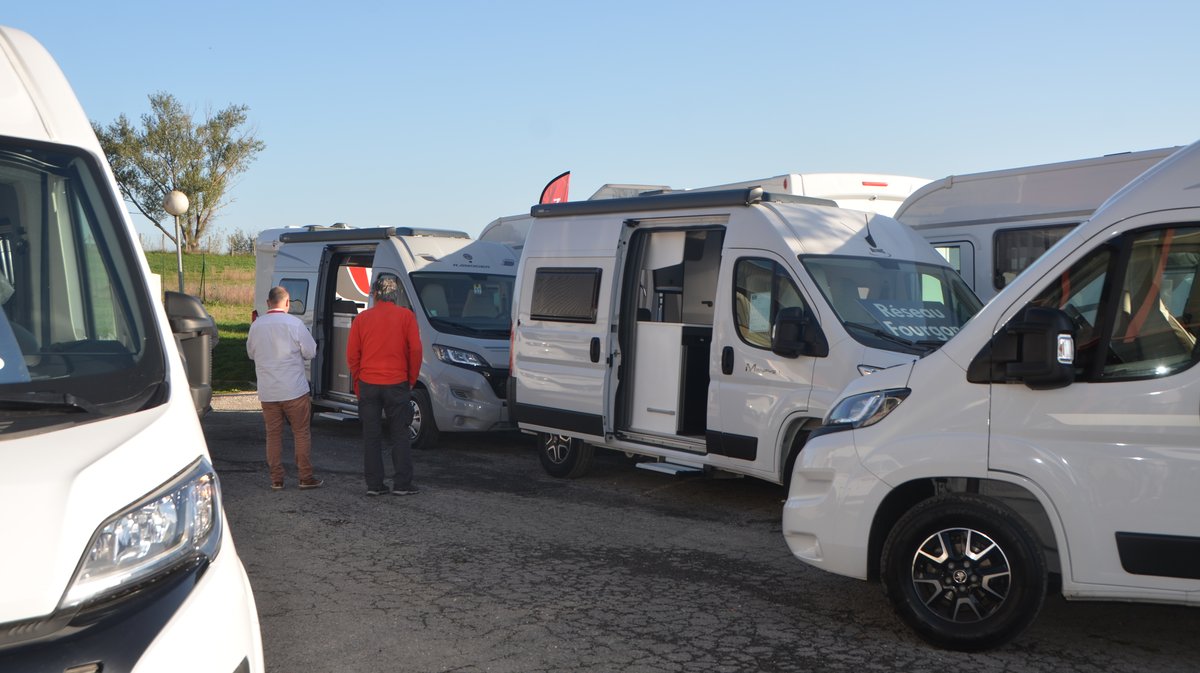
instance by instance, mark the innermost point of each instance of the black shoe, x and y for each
(407, 490)
(377, 491)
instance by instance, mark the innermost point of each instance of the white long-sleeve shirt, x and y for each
(279, 344)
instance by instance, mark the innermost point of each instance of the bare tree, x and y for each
(171, 151)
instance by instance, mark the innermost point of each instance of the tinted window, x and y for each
(1136, 303)
(565, 295)
(1016, 249)
(77, 339)
(761, 288)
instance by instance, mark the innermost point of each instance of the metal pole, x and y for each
(179, 253)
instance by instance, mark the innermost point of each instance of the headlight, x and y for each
(177, 523)
(459, 357)
(860, 411)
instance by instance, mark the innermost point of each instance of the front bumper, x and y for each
(831, 503)
(201, 619)
(464, 400)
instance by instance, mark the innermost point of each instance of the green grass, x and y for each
(225, 283)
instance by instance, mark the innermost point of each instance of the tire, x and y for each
(423, 431)
(964, 601)
(564, 457)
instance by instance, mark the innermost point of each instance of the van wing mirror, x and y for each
(797, 333)
(1036, 347)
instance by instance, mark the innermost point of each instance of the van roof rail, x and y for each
(673, 201)
(374, 233)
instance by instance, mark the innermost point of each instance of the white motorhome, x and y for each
(117, 553)
(870, 192)
(1055, 434)
(992, 225)
(459, 289)
(711, 330)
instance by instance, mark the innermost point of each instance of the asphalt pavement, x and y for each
(496, 566)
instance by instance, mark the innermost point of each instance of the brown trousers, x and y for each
(298, 413)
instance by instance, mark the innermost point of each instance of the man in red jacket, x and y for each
(384, 355)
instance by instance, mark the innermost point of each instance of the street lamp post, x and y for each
(176, 204)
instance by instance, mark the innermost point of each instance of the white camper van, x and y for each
(459, 289)
(992, 225)
(1056, 433)
(117, 555)
(711, 330)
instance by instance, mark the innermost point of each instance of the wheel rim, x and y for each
(557, 448)
(414, 428)
(961, 575)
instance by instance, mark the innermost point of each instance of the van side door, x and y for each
(1118, 450)
(562, 345)
(752, 390)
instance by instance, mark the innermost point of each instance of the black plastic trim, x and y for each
(114, 634)
(1159, 555)
(566, 421)
(741, 447)
(369, 234)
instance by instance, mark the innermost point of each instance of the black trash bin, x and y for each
(195, 335)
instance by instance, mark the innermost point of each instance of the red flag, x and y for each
(556, 190)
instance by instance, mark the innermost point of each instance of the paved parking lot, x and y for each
(496, 566)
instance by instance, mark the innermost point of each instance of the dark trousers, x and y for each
(374, 402)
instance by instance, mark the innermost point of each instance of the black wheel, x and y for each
(966, 572)
(423, 431)
(563, 456)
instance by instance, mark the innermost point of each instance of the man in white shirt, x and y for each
(279, 344)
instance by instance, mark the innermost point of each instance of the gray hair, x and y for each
(385, 288)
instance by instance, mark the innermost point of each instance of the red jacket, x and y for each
(385, 346)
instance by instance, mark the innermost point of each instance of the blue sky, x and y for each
(449, 114)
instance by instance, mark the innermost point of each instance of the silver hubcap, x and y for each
(558, 447)
(414, 428)
(961, 575)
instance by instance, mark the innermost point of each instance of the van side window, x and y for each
(565, 295)
(1135, 302)
(1016, 249)
(761, 288)
(297, 289)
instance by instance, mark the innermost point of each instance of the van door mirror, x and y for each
(797, 333)
(1036, 347)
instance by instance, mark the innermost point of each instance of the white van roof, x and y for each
(1171, 184)
(37, 101)
(1064, 190)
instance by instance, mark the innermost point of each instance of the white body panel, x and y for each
(1103, 469)
(962, 214)
(869, 192)
(59, 485)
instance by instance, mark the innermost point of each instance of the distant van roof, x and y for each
(672, 201)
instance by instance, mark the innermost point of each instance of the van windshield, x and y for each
(467, 304)
(77, 341)
(894, 304)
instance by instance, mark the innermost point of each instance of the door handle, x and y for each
(727, 360)
(594, 349)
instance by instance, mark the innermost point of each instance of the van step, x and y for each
(670, 468)
(336, 416)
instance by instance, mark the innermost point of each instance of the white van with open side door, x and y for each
(117, 555)
(459, 289)
(992, 225)
(1057, 433)
(711, 330)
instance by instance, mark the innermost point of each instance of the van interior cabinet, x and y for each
(344, 312)
(670, 390)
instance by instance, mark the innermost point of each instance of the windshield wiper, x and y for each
(45, 401)
(921, 347)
